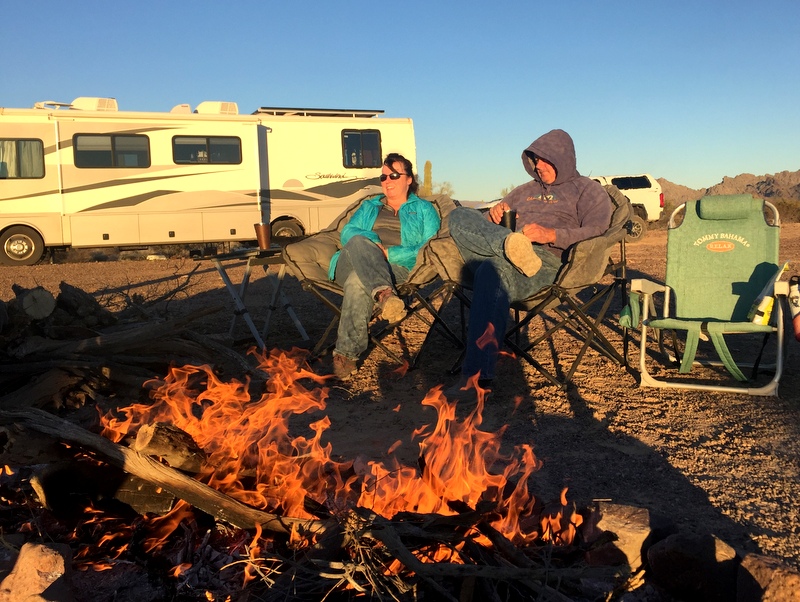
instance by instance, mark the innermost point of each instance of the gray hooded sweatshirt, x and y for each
(574, 205)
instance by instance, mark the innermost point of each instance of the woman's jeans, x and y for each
(362, 271)
(496, 284)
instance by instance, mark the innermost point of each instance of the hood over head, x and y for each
(555, 147)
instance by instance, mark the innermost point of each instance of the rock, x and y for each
(766, 579)
(631, 525)
(40, 573)
(698, 568)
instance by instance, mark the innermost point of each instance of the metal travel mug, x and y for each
(509, 219)
(263, 235)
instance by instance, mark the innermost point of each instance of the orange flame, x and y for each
(487, 338)
(162, 527)
(252, 457)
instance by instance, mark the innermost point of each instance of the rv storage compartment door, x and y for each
(169, 228)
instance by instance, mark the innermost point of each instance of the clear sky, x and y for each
(690, 91)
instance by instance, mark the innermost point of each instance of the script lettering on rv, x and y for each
(327, 176)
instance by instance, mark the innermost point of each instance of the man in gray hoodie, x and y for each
(556, 209)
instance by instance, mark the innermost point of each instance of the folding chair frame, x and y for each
(416, 302)
(571, 313)
(561, 300)
(311, 271)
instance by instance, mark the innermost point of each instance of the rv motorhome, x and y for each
(85, 174)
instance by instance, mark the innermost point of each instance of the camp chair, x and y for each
(425, 300)
(589, 262)
(309, 259)
(720, 258)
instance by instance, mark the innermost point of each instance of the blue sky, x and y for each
(687, 91)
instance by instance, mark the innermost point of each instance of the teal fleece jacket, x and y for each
(419, 222)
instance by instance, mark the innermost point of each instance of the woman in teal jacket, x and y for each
(380, 244)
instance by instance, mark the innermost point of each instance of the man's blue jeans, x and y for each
(362, 271)
(496, 284)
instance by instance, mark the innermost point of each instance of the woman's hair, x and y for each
(408, 169)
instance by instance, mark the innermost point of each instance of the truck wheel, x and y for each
(287, 228)
(636, 229)
(20, 245)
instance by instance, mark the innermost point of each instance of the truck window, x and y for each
(631, 182)
(108, 150)
(21, 158)
(207, 149)
(361, 148)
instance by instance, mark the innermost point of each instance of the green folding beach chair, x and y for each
(720, 258)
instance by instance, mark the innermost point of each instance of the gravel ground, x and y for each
(708, 462)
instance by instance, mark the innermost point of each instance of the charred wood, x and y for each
(197, 494)
(171, 444)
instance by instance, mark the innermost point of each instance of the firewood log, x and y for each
(80, 303)
(197, 494)
(3, 315)
(37, 302)
(174, 446)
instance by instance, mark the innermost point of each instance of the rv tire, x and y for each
(20, 245)
(286, 228)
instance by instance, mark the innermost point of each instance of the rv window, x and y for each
(92, 150)
(206, 149)
(361, 148)
(21, 159)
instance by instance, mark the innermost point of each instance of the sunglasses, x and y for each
(392, 176)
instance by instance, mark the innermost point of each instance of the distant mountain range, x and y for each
(784, 185)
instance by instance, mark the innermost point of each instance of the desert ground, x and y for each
(704, 462)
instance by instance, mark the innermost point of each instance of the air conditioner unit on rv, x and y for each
(91, 103)
(215, 107)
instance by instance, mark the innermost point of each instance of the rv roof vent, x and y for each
(182, 108)
(217, 108)
(90, 103)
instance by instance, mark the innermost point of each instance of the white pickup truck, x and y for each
(644, 193)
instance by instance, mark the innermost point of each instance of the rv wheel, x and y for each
(21, 246)
(286, 228)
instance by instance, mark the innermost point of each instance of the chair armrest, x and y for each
(646, 287)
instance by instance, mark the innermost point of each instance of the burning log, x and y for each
(445, 529)
(170, 443)
(182, 486)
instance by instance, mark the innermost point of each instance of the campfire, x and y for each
(248, 505)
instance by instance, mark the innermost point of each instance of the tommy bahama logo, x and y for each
(721, 246)
(721, 242)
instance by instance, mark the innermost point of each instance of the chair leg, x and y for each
(576, 318)
(438, 322)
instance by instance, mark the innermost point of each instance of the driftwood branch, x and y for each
(182, 486)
